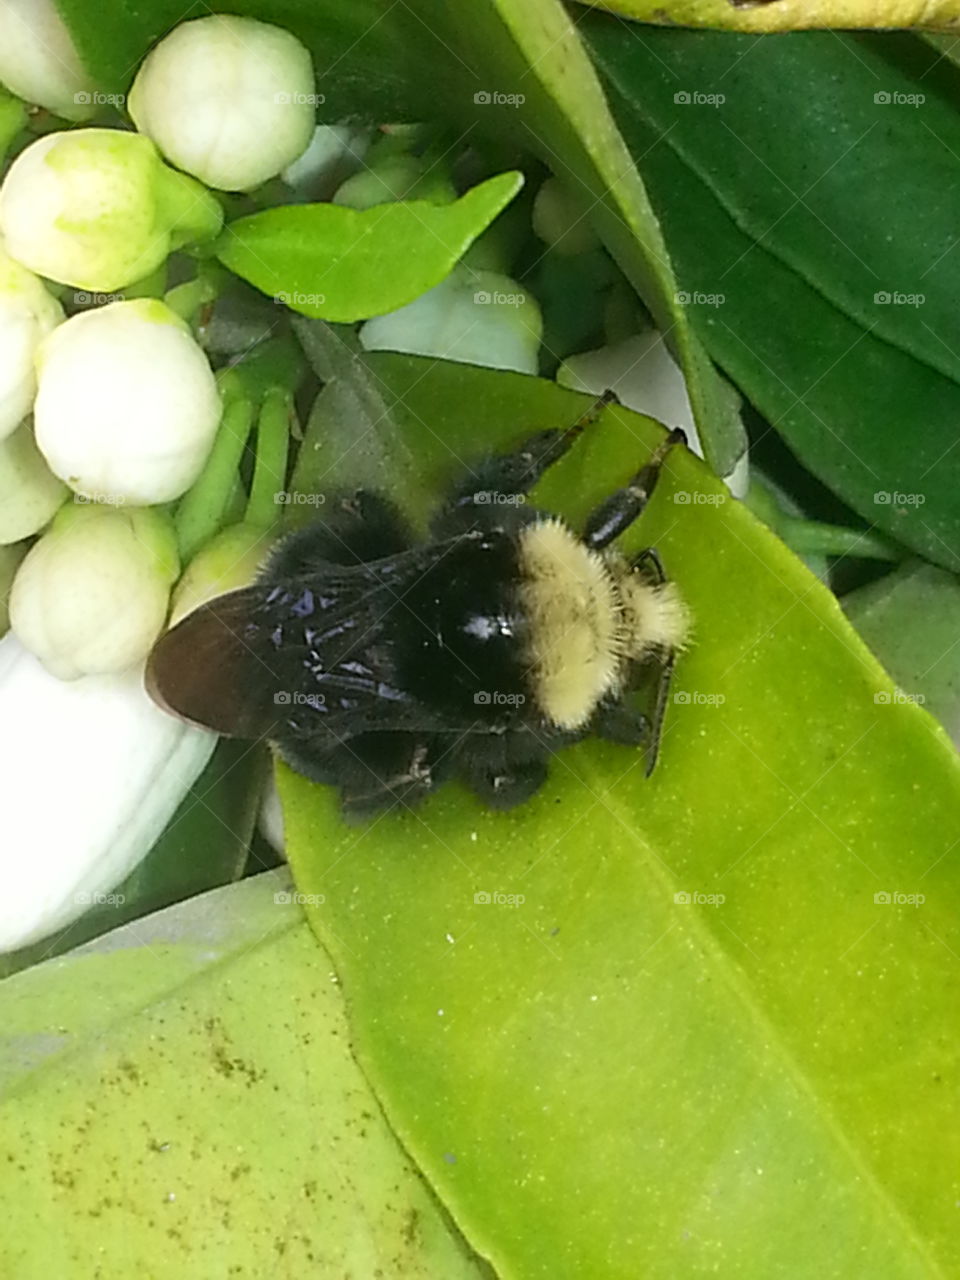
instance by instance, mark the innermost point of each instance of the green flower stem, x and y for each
(151, 286)
(13, 118)
(186, 206)
(808, 537)
(270, 470)
(811, 538)
(188, 298)
(202, 508)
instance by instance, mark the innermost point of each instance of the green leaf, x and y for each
(179, 1100)
(342, 264)
(911, 621)
(778, 210)
(610, 1080)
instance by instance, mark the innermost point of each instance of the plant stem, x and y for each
(270, 469)
(186, 299)
(201, 509)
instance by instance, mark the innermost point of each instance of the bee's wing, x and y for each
(214, 669)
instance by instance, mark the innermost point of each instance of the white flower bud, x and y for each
(334, 150)
(477, 317)
(230, 100)
(561, 220)
(27, 312)
(10, 558)
(98, 208)
(91, 596)
(228, 561)
(29, 491)
(93, 771)
(39, 61)
(127, 406)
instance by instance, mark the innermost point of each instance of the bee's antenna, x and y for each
(588, 418)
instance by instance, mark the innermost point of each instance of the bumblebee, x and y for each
(386, 668)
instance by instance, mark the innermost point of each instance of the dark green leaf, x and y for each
(911, 621)
(781, 213)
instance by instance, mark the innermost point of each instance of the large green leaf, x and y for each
(911, 621)
(611, 1079)
(349, 264)
(178, 1101)
(495, 66)
(778, 209)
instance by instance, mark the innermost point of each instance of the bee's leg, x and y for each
(350, 529)
(385, 770)
(615, 514)
(648, 563)
(494, 481)
(504, 769)
(506, 788)
(621, 723)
